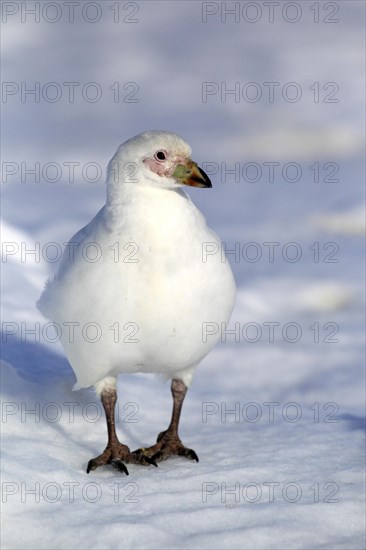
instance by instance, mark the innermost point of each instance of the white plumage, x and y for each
(146, 282)
(147, 296)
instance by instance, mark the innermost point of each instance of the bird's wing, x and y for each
(74, 247)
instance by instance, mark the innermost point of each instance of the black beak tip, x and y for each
(206, 179)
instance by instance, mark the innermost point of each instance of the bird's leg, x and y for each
(115, 452)
(168, 442)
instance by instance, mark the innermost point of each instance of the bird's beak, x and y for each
(191, 174)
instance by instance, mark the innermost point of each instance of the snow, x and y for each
(276, 411)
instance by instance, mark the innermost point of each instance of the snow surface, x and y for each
(278, 426)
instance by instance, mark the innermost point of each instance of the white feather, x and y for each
(150, 293)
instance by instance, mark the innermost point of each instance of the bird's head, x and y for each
(156, 158)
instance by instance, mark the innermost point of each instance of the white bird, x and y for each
(135, 291)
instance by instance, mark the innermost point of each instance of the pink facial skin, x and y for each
(163, 167)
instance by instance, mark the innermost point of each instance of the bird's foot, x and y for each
(167, 445)
(116, 455)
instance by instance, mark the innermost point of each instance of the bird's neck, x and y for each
(139, 201)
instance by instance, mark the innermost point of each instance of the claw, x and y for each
(119, 465)
(144, 459)
(91, 466)
(191, 454)
(157, 456)
(151, 461)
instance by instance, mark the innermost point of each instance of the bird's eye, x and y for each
(160, 155)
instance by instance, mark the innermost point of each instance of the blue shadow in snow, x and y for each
(354, 422)
(36, 363)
